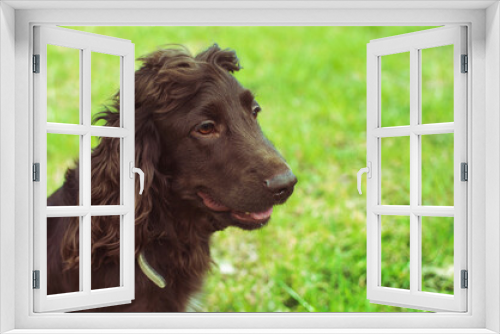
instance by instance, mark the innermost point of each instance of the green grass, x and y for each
(311, 84)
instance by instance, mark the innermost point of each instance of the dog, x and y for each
(207, 166)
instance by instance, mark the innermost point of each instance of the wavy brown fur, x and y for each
(172, 227)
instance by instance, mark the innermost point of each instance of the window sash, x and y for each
(413, 43)
(86, 297)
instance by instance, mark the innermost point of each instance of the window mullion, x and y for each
(81, 200)
(85, 181)
(415, 251)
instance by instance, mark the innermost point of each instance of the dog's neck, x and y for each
(185, 238)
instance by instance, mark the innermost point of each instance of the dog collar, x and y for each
(149, 271)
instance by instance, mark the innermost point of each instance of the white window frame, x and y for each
(483, 20)
(413, 44)
(86, 44)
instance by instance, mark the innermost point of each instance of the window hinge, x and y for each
(464, 171)
(36, 172)
(36, 279)
(36, 63)
(465, 64)
(465, 279)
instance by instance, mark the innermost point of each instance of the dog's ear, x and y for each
(166, 79)
(170, 77)
(226, 59)
(147, 158)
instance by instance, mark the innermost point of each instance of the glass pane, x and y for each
(105, 171)
(437, 84)
(105, 78)
(395, 170)
(105, 252)
(395, 90)
(63, 84)
(437, 254)
(62, 163)
(63, 254)
(395, 252)
(437, 169)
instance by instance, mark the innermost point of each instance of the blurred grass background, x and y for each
(311, 85)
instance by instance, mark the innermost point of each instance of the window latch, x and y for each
(368, 171)
(141, 175)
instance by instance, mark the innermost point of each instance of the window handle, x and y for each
(367, 170)
(141, 175)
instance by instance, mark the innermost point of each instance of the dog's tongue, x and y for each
(261, 215)
(254, 216)
(248, 216)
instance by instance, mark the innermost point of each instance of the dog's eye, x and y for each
(256, 109)
(206, 128)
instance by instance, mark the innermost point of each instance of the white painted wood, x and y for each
(94, 210)
(7, 167)
(40, 156)
(373, 156)
(245, 4)
(460, 155)
(492, 186)
(86, 297)
(470, 322)
(434, 211)
(393, 131)
(406, 210)
(433, 129)
(418, 129)
(85, 264)
(261, 331)
(76, 129)
(82, 40)
(413, 43)
(393, 210)
(108, 131)
(415, 267)
(127, 120)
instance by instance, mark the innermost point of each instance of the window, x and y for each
(418, 125)
(485, 232)
(52, 129)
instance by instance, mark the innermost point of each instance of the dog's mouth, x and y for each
(245, 217)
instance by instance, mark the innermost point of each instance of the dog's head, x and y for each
(211, 143)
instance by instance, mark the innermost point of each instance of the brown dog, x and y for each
(207, 165)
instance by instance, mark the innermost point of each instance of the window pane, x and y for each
(437, 169)
(395, 91)
(105, 78)
(63, 84)
(62, 163)
(437, 84)
(105, 171)
(395, 252)
(437, 254)
(395, 170)
(63, 253)
(105, 252)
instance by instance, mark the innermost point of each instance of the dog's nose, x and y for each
(281, 185)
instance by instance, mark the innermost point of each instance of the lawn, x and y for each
(311, 85)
